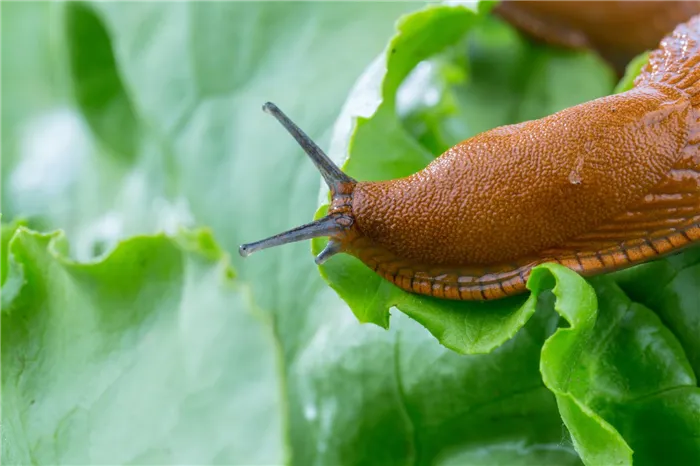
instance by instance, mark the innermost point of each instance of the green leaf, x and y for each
(596, 441)
(8, 231)
(670, 288)
(618, 374)
(631, 72)
(642, 381)
(99, 90)
(135, 353)
(9, 267)
(370, 396)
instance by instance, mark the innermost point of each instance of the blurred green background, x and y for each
(130, 341)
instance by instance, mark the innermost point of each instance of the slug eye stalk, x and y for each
(331, 225)
(329, 171)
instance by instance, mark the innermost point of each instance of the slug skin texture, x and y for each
(596, 187)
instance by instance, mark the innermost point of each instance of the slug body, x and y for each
(617, 30)
(597, 187)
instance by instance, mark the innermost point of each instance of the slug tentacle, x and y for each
(330, 172)
(325, 226)
(596, 187)
(337, 224)
(332, 248)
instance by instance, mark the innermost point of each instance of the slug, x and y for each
(597, 187)
(617, 30)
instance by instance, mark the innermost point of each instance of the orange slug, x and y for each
(596, 187)
(617, 30)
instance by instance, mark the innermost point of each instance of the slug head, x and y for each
(339, 221)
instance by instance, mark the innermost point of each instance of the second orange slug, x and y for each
(617, 30)
(596, 187)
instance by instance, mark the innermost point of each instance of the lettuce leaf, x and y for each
(147, 348)
(130, 359)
